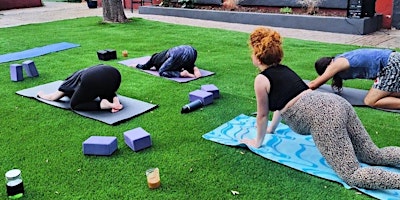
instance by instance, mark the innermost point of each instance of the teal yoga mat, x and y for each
(287, 148)
(38, 51)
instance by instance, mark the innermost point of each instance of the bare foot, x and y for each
(105, 104)
(117, 107)
(185, 73)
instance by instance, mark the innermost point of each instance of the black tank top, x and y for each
(285, 85)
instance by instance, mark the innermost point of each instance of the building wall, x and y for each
(390, 9)
(334, 4)
(396, 14)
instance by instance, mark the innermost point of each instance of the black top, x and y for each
(100, 79)
(285, 85)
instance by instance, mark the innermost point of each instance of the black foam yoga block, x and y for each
(112, 54)
(102, 55)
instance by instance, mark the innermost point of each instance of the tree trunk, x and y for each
(113, 11)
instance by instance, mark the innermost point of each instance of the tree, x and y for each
(113, 11)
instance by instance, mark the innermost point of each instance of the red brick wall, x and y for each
(385, 7)
(13, 4)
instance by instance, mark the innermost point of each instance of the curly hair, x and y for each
(266, 44)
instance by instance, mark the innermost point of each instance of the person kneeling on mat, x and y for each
(333, 123)
(85, 85)
(177, 61)
(381, 65)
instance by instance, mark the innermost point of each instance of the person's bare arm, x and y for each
(261, 87)
(276, 118)
(340, 64)
(52, 96)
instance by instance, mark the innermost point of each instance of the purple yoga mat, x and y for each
(143, 60)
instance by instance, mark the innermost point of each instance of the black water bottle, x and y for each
(194, 105)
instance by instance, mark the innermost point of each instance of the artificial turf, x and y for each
(46, 142)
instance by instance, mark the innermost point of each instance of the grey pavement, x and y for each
(52, 11)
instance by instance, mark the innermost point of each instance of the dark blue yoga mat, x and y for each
(38, 51)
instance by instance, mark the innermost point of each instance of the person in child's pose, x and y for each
(177, 61)
(335, 127)
(85, 85)
(382, 65)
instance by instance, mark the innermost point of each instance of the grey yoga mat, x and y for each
(132, 107)
(352, 95)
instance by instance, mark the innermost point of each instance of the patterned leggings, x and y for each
(389, 77)
(343, 141)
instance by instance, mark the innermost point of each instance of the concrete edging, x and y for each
(357, 26)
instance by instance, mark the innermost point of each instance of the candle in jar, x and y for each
(125, 53)
(153, 178)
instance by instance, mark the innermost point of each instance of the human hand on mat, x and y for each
(52, 96)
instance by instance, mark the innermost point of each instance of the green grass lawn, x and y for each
(46, 142)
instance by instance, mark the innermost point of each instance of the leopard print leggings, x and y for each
(343, 141)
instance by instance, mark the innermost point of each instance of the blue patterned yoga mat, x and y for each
(38, 51)
(288, 148)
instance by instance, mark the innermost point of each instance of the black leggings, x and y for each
(99, 81)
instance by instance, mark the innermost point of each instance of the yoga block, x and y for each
(100, 145)
(111, 54)
(211, 88)
(30, 68)
(102, 55)
(203, 96)
(137, 139)
(16, 72)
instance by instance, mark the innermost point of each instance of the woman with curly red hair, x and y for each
(334, 125)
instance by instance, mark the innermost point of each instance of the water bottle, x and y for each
(194, 105)
(15, 186)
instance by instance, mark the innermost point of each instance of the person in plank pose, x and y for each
(85, 85)
(333, 123)
(177, 61)
(381, 65)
